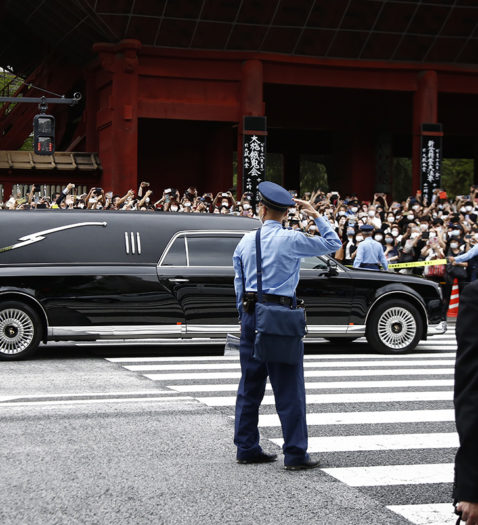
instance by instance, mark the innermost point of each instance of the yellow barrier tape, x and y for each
(418, 263)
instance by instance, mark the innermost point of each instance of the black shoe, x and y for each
(308, 464)
(263, 457)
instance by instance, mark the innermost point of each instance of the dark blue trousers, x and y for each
(289, 392)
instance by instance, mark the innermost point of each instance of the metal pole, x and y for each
(40, 100)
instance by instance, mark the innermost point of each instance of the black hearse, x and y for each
(87, 275)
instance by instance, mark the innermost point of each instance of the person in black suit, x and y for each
(465, 398)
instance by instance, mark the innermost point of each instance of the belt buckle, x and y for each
(282, 300)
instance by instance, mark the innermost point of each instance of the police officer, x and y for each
(369, 252)
(281, 253)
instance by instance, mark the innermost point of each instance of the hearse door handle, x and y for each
(178, 280)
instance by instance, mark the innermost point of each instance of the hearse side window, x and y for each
(211, 250)
(312, 263)
(176, 255)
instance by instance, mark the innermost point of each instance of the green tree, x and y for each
(456, 177)
(313, 175)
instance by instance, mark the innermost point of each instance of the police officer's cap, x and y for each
(366, 228)
(274, 196)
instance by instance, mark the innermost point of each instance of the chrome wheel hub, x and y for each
(16, 331)
(397, 328)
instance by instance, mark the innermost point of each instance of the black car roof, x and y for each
(84, 236)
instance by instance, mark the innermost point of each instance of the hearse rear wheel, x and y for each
(394, 327)
(20, 331)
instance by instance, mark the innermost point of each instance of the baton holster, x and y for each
(249, 302)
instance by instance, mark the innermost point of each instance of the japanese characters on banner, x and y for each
(254, 155)
(430, 160)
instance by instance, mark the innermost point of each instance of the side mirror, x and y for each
(332, 267)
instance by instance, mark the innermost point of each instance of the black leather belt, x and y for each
(269, 298)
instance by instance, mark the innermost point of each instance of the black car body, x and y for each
(87, 275)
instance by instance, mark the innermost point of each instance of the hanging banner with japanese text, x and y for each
(254, 155)
(430, 160)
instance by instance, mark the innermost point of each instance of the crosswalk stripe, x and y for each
(232, 387)
(393, 474)
(353, 379)
(369, 397)
(380, 442)
(307, 357)
(326, 364)
(185, 376)
(366, 418)
(426, 514)
(105, 401)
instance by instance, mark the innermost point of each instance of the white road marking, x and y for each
(232, 387)
(187, 376)
(366, 418)
(308, 373)
(46, 397)
(308, 357)
(95, 401)
(325, 364)
(427, 514)
(380, 442)
(369, 397)
(393, 474)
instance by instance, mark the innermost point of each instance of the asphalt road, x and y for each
(96, 434)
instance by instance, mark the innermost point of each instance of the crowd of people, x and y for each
(409, 231)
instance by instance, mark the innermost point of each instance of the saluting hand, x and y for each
(307, 207)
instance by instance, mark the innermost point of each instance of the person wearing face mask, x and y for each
(395, 233)
(433, 250)
(378, 236)
(390, 249)
(389, 219)
(349, 245)
(455, 232)
(353, 208)
(470, 257)
(468, 212)
(374, 218)
(408, 251)
(369, 254)
(282, 251)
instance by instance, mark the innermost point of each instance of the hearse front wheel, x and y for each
(394, 327)
(20, 330)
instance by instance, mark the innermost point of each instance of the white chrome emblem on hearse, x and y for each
(39, 236)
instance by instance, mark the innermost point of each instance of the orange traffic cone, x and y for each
(454, 300)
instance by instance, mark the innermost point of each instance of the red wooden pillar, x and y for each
(475, 161)
(425, 110)
(251, 105)
(118, 146)
(91, 111)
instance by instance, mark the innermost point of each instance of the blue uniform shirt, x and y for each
(281, 253)
(370, 251)
(473, 252)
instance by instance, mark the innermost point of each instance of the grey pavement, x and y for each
(144, 461)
